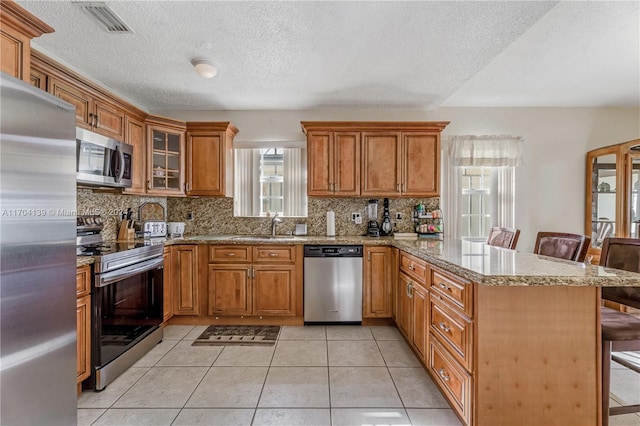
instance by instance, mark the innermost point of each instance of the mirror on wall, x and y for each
(269, 179)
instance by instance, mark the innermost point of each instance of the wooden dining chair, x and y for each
(620, 331)
(503, 237)
(562, 245)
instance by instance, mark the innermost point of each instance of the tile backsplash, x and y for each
(110, 206)
(212, 215)
(215, 216)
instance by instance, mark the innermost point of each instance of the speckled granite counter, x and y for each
(477, 262)
(84, 260)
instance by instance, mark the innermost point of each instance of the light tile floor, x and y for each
(338, 375)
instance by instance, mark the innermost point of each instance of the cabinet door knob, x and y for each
(443, 326)
(443, 375)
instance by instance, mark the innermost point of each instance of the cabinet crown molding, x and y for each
(209, 126)
(16, 16)
(431, 126)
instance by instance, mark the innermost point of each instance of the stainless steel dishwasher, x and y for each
(332, 284)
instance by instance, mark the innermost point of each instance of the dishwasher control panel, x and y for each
(332, 251)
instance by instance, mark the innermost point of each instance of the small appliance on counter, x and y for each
(175, 229)
(373, 229)
(387, 227)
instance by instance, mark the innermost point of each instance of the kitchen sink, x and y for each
(268, 237)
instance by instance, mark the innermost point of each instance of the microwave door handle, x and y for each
(119, 166)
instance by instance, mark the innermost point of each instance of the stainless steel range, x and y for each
(126, 300)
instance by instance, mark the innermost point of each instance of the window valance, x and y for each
(485, 150)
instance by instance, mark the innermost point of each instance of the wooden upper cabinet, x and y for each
(381, 164)
(17, 28)
(209, 159)
(319, 163)
(91, 113)
(135, 136)
(373, 159)
(333, 163)
(165, 156)
(420, 164)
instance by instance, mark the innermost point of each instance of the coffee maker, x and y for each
(372, 212)
(386, 227)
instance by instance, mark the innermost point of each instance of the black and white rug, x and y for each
(238, 335)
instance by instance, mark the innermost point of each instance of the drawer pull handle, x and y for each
(273, 254)
(443, 327)
(444, 286)
(411, 267)
(230, 254)
(443, 375)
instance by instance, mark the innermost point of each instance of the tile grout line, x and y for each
(199, 383)
(395, 386)
(255, 411)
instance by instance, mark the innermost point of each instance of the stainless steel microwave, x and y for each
(102, 161)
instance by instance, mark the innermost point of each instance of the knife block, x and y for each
(126, 233)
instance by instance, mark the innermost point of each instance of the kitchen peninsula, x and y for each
(509, 337)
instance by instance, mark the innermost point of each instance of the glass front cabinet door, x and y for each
(165, 167)
(612, 197)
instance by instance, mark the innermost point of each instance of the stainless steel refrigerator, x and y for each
(37, 257)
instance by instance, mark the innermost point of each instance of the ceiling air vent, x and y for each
(107, 17)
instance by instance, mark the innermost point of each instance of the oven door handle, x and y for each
(108, 278)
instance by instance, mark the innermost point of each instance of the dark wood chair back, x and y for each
(622, 253)
(562, 245)
(503, 237)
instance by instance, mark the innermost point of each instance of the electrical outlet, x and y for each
(190, 216)
(358, 220)
(398, 216)
(355, 217)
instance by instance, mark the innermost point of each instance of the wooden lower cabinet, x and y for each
(184, 261)
(229, 292)
(255, 281)
(167, 286)
(420, 320)
(274, 290)
(404, 306)
(378, 285)
(83, 323)
(453, 379)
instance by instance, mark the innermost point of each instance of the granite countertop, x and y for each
(474, 261)
(84, 260)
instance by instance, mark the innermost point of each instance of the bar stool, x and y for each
(503, 237)
(620, 331)
(562, 245)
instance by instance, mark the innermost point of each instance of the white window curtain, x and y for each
(295, 181)
(500, 151)
(246, 185)
(485, 151)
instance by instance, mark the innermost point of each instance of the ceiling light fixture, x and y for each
(204, 67)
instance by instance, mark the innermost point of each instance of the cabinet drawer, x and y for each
(455, 382)
(83, 280)
(230, 254)
(455, 290)
(452, 330)
(414, 267)
(274, 254)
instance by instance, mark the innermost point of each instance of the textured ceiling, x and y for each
(313, 55)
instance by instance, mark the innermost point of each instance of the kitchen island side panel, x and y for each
(538, 356)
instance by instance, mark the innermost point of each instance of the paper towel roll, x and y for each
(331, 224)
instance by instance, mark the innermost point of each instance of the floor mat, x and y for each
(238, 335)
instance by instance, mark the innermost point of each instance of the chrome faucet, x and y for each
(274, 222)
